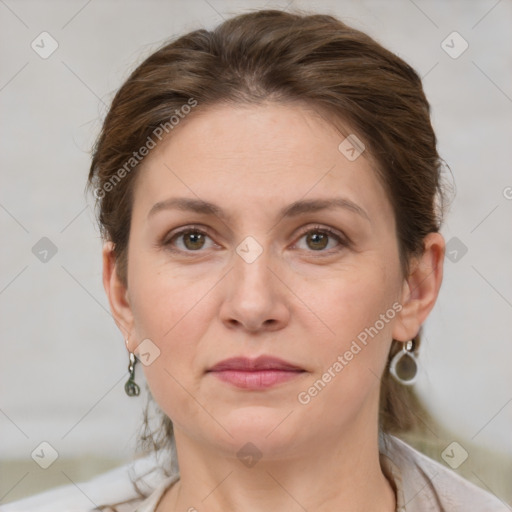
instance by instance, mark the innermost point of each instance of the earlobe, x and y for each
(117, 292)
(421, 288)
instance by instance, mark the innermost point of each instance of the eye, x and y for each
(192, 240)
(317, 239)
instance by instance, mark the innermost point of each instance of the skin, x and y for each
(209, 304)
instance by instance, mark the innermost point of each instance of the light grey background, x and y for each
(64, 363)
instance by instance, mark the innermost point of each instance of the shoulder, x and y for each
(428, 485)
(115, 486)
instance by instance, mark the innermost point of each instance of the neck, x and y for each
(342, 473)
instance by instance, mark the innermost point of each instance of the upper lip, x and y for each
(259, 363)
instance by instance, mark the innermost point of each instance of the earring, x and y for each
(131, 388)
(404, 365)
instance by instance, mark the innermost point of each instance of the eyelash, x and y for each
(343, 241)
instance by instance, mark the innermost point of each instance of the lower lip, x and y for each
(260, 379)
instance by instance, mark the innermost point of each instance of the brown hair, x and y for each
(276, 56)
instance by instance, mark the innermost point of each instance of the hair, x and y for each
(272, 56)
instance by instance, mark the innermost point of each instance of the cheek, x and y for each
(174, 310)
(172, 315)
(163, 296)
(352, 299)
(174, 321)
(351, 354)
(358, 309)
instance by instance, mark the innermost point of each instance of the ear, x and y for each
(420, 288)
(117, 293)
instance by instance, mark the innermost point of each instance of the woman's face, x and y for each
(260, 275)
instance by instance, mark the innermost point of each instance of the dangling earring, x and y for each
(404, 365)
(131, 387)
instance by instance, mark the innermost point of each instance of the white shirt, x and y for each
(420, 483)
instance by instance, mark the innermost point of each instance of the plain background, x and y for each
(64, 363)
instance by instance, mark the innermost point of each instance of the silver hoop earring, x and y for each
(404, 365)
(131, 388)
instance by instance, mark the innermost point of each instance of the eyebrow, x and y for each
(294, 209)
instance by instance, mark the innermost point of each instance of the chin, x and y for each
(261, 426)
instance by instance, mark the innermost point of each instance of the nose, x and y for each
(256, 296)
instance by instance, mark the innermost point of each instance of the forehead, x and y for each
(257, 155)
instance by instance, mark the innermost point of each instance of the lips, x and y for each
(255, 374)
(245, 364)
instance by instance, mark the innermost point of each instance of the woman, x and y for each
(269, 195)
